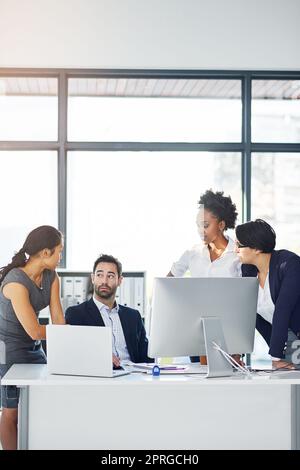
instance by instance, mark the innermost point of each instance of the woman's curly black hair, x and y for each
(220, 206)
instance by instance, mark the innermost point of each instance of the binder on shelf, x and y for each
(67, 286)
(67, 292)
(80, 289)
(126, 291)
(139, 294)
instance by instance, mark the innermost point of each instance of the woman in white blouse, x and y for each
(215, 256)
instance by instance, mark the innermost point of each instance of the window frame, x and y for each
(62, 145)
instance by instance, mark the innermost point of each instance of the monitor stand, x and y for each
(217, 365)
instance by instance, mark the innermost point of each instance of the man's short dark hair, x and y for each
(108, 259)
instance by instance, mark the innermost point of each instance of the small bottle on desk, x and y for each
(203, 360)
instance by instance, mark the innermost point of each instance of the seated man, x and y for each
(128, 332)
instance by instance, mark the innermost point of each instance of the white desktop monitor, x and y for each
(179, 304)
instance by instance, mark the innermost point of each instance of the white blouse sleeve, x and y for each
(180, 267)
(237, 268)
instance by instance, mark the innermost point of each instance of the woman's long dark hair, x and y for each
(40, 238)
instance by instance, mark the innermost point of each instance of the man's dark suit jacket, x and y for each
(284, 280)
(87, 314)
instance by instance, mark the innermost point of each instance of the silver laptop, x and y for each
(80, 350)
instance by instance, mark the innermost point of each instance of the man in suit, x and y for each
(128, 332)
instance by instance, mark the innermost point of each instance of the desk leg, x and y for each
(23, 419)
(295, 418)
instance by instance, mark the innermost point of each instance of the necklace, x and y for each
(38, 283)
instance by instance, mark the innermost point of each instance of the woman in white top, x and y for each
(216, 256)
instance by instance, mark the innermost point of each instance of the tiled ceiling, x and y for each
(151, 88)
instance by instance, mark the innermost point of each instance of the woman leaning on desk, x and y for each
(27, 285)
(215, 256)
(278, 272)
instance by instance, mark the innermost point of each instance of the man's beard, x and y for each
(105, 294)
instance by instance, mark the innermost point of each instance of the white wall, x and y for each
(200, 34)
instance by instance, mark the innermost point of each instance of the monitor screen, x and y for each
(179, 304)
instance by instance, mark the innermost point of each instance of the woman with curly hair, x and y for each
(216, 256)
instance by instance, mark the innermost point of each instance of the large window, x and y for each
(28, 159)
(276, 111)
(141, 206)
(154, 110)
(28, 108)
(28, 197)
(276, 195)
(118, 159)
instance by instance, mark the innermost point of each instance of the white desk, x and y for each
(139, 411)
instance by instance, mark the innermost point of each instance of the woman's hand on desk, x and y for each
(238, 359)
(282, 365)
